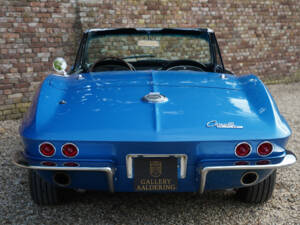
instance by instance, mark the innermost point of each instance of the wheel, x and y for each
(42, 192)
(258, 193)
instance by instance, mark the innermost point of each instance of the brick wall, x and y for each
(255, 36)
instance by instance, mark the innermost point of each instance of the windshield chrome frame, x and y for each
(80, 61)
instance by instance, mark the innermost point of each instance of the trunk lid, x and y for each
(109, 107)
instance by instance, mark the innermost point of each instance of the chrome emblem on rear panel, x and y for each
(155, 97)
(216, 124)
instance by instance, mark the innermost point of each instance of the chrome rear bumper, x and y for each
(288, 160)
(20, 161)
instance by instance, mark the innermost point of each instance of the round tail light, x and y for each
(265, 149)
(242, 149)
(47, 149)
(69, 150)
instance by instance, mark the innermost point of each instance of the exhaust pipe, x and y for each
(249, 178)
(61, 179)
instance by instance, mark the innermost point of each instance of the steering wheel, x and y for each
(111, 60)
(184, 64)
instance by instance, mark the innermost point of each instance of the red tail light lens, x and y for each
(47, 149)
(243, 149)
(69, 150)
(265, 149)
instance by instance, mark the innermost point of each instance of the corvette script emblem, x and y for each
(216, 124)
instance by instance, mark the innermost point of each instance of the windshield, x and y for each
(149, 45)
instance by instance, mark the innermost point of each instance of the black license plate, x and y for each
(155, 174)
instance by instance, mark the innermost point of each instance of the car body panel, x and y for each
(205, 117)
(194, 99)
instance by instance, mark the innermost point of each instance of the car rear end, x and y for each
(99, 133)
(156, 166)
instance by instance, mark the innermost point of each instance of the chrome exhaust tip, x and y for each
(62, 179)
(249, 178)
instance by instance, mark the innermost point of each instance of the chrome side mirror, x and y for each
(60, 65)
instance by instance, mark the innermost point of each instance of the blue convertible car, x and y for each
(152, 110)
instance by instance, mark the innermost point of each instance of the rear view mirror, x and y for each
(60, 65)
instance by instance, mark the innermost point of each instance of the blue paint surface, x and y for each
(107, 119)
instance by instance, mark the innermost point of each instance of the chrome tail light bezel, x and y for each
(69, 143)
(49, 143)
(264, 142)
(244, 142)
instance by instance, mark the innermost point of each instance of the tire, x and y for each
(42, 192)
(260, 192)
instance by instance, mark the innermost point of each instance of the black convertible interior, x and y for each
(119, 64)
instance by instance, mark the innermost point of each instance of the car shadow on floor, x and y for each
(133, 198)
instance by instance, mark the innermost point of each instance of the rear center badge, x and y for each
(155, 97)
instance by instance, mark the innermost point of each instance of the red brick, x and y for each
(269, 35)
